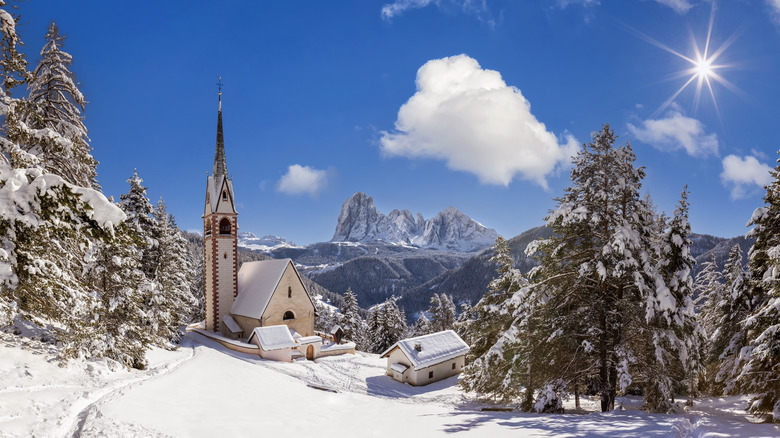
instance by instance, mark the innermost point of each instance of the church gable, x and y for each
(271, 292)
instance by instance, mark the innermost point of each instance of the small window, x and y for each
(224, 256)
(224, 226)
(453, 365)
(224, 196)
(289, 291)
(288, 315)
(430, 374)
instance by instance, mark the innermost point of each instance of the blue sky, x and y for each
(421, 104)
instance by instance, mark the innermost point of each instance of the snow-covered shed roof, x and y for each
(399, 367)
(309, 340)
(335, 329)
(256, 284)
(273, 337)
(433, 349)
(231, 324)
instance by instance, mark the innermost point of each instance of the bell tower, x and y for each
(220, 238)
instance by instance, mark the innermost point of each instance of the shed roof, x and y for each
(231, 324)
(434, 348)
(257, 282)
(273, 337)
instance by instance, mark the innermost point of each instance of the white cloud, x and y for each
(392, 10)
(477, 7)
(585, 3)
(302, 180)
(468, 117)
(676, 131)
(679, 6)
(774, 10)
(743, 173)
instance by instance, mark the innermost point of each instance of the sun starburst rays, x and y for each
(703, 69)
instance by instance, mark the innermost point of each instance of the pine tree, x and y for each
(422, 326)
(597, 288)
(494, 333)
(678, 336)
(388, 326)
(760, 369)
(350, 320)
(710, 292)
(141, 219)
(120, 332)
(57, 104)
(730, 336)
(172, 305)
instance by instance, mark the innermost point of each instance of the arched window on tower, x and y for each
(208, 228)
(289, 292)
(224, 196)
(224, 226)
(288, 315)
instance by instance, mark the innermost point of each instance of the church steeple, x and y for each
(220, 239)
(220, 166)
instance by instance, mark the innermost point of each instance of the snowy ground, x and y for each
(204, 389)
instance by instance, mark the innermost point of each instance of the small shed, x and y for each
(426, 359)
(236, 332)
(338, 334)
(275, 342)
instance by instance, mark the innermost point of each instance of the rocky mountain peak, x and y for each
(449, 230)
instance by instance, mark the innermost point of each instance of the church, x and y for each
(250, 306)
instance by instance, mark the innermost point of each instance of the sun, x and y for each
(703, 70)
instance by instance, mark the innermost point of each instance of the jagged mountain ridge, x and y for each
(359, 221)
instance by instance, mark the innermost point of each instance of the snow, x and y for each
(434, 348)
(204, 389)
(274, 337)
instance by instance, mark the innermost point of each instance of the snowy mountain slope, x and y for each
(450, 229)
(267, 244)
(204, 390)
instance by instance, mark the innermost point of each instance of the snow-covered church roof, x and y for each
(256, 284)
(427, 350)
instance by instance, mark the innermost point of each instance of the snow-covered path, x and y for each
(204, 390)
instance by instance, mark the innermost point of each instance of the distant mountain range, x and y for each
(449, 230)
(378, 255)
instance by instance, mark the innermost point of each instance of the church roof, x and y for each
(257, 282)
(427, 350)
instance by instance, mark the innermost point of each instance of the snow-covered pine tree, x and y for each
(677, 335)
(57, 104)
(488, 360)
(442, 311)
(172, 305)
(422, 326)
(730, 336)
(48, 224)
(597, 287)
(121, 332)
(760, 374)
(140, 218)
(350, 320)
(389, 325)
(709, 291)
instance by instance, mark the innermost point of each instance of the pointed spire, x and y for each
(220, 166)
